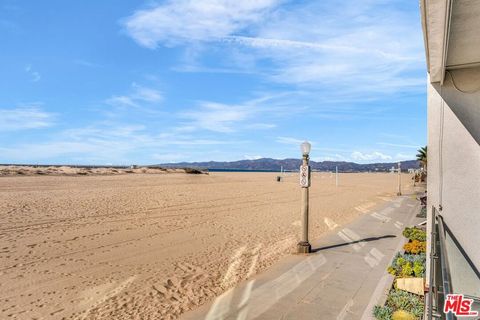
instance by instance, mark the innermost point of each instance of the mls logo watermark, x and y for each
(459, 306)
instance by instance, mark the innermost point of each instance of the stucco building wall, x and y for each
(454, 165)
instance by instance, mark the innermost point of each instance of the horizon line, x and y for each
(111, 165)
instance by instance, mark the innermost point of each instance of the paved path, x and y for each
(343, 279)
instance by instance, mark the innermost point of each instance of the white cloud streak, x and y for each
(359, 156)
(228, 118)
(252, 157)
(365, 49)
(289, 140)
(216, 116)
(136, 98)
(399, 145)
(404, 156)
(331, 157)
(22, 118)
(175, 22)
(114, 143)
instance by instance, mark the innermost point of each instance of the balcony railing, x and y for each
(439, 277)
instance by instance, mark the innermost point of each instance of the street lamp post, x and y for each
(399, 193)
(336, 176)
(304, 246)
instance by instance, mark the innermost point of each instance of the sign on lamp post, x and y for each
(304, 176)
(304, 246)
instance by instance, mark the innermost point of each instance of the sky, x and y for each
(148, 82)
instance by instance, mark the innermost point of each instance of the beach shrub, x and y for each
(400, 305)
(415, 234)
(407, 270)
(402, 315)
(192, 171)
(396, 267)
(421, 257)
(409, 302)
(392, 270)
(415, 247)
(418, 269)
(406, 265)
(382, 312)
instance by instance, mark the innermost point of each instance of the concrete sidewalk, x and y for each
(343, 279)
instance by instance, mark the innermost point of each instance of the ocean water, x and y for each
(240, 170)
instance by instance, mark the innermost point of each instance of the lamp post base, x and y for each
(304, 247)
(399, 193)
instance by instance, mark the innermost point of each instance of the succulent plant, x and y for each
(415, 234)
(382, 312)
(415, 247)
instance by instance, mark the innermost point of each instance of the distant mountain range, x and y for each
(267, 164)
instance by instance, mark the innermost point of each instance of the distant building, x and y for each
(452, 43)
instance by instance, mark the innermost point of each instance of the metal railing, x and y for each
(433, 256)
(440, 282)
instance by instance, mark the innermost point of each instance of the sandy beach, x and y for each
(152, 246)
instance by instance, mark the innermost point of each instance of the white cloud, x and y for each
(28, 117)
(261, 126)
(259, 113)
(289, 140)
(35, 75)
(85, 63)
(147, 94)
(330, 157)
(216, 116)
(124, 101)
(399, 145)
(252, 157)
(221, 117)
(184, 21)
(362, 44)
(136, 97)
(113, 143)
(98, 133)
(404, 156)
(170, 157)
(359, 49)
(359, 156)
(50, 150)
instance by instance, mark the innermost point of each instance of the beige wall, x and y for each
(454, 162)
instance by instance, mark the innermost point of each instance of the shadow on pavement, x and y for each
(352, 242)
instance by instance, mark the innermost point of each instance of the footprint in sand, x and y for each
(93, 297)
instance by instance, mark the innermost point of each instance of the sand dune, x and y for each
(149, 246)
(84, 171)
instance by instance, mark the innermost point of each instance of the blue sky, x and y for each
(120, 82)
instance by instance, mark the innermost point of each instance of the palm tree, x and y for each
(422, 157)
